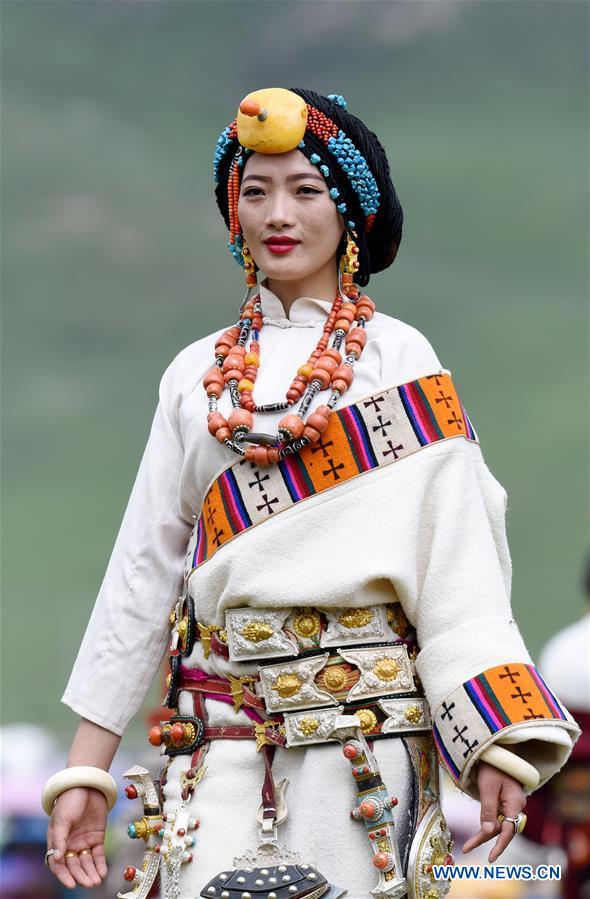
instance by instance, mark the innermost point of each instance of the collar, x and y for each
(305, 312)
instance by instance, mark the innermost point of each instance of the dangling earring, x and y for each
(249, 267)
(347, 268)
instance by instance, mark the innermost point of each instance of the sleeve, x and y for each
(127, 633)
(481, 685)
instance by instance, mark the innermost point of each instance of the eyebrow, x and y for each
(298, 176)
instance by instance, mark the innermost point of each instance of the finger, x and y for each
(489, 797)
(88, 866)
(57, 836)
(506, 835)
(513, 802)
(77, 871)
(100, 860)
(61, 872)
(482, 836)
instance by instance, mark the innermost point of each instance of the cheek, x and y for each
(242, 212)
(247, 215)
(325, 226)
(327, 218)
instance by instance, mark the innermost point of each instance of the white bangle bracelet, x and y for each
(79, 776)
(513, 765)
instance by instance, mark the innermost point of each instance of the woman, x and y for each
(369, 591)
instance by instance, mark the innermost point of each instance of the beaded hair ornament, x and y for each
(275, 120)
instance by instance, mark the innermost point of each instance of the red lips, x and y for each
(281, 241)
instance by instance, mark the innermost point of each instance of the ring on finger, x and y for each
(85, 852)
(70, 854)
(519, 822)
(48, 855)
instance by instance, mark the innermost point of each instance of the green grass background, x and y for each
(114, 258)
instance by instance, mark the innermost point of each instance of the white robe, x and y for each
(428, 531)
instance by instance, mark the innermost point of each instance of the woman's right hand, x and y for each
(78, 822)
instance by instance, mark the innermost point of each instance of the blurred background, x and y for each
(114, 258)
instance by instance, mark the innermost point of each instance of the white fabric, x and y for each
(320, 796)
(428, 531)
(128, 630)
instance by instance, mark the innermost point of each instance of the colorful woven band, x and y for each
(379, 430)
(496, 699)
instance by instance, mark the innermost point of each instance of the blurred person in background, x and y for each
(560, 811)
(367, 600)
(29, 754)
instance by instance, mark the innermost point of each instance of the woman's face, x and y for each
(284, 195)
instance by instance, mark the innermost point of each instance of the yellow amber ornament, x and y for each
(367, 718)
(260, 730)
(335, 677)
(413, 714)
(257, 631)
(307, 623)
(287, 685)
(237, 688)
(205, 634)
(386, 669)
(356, 617)
(271, 120)
(349, 263)
(308, 726)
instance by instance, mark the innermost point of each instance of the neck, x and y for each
(322, 285)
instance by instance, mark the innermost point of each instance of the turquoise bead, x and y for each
(339, 99)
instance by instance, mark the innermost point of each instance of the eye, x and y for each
(256, 191)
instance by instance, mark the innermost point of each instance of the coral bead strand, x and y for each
(237, 365)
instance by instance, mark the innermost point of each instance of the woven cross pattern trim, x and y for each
(378, 430)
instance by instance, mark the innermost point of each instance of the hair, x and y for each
(377, 248)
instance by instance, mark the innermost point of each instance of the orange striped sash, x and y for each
(374, 431)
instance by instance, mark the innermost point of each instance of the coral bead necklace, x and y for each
(236, 366)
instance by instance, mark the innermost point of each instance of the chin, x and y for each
(284, 272)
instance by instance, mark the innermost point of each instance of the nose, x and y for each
(279, 211)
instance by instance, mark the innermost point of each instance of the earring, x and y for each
(249, 266)
(348, 266)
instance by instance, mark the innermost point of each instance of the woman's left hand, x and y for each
(498, 794)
